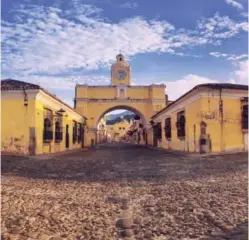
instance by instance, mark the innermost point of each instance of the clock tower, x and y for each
(120, 71)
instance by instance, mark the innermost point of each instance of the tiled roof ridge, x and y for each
(12, 84)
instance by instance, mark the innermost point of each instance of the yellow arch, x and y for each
(123, 107)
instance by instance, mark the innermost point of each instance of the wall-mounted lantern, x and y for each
(61, 112)
(25, 98)
(25, 102)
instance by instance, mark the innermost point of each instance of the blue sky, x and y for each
(180, 43)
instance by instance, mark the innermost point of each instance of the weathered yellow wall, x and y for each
(53, 146)
(150, 137)
(190, 143)
(94, 110)
(22, 126)
(101, 92)
(157, 92)
(114, 129)
(138, 93)
(81, 91)
(224, 136)
(16, 120)
(210, 106)
(228, 135)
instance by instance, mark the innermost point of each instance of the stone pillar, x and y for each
(91, 137)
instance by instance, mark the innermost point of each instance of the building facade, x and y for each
(35, 122)
(137, 132)
(208, 118)
(95, 101)
(118, 130)
(102, 131)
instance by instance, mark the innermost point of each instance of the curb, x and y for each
(43, 156)
(49, 155)
(195, 154)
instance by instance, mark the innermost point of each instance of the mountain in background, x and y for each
(114, 118)
(119, 115)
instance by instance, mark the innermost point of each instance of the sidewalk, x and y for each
(45, 155)
(195, 154)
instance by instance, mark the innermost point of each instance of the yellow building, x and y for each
(95, 101)
(35, 122)
(118, 130)
(208, 118)
(137, 132)
(102, 131)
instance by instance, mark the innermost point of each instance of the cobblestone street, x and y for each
(171, 195)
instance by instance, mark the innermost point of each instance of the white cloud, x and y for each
(244, 14)
(231, 57)
(240, 76)
(218, 28)
(239, 57)
(235, 4)
(217, 54)
(129, 5)
(186, 83)
(63, 83)
(48, 40)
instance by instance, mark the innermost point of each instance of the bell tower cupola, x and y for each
(120, 71)
(120, 58)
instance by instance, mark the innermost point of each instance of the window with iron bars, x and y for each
(79, 132)
(74, 132)
(180, 124)
(58, 132)
(47, 130)
(244, 117)
(168, 128)
(158, 130)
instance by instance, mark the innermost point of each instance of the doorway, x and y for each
(154, 137)
(67, 136)
(83, 137)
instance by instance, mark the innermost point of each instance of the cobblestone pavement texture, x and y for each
(171, 196)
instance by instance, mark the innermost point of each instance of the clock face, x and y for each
(121, 75)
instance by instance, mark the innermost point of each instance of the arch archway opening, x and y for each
(121, 123)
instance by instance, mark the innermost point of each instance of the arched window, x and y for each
(47, 130)
(244, 118)
(168, 128)
(58, 132)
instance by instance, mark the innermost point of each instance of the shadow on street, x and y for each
(116, 162)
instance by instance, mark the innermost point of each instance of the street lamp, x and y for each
(61, 112)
